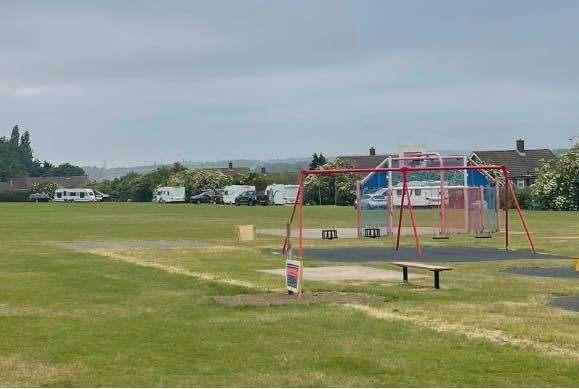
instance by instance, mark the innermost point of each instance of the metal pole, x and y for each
(301, 215)
(507, 183)
(401, 209)
(522, 218)
(481, 211)
(358, 209)
(497, 207)
(413, 220)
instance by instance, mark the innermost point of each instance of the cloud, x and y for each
(134, 82)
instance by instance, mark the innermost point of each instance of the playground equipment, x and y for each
(469, 208)
(446, 201)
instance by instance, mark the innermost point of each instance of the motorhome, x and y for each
(231, 192)
(280, 194)
(420, 196)
(169, 194)
(74, 195)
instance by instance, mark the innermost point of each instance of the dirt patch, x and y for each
(343, 273)
(268, 299)
(122, 245)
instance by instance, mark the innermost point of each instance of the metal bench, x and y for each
(433, 268)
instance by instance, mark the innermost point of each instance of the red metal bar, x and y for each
(497, 207)
(401, 209)
(358, 208)
(521, 217)
(322, 172)
(301, 216)
(389, 218)
(506, 178)
(481, 199)
(413, 219)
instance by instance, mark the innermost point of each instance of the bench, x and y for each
(371, 232)
(433, 268)
(329, 234)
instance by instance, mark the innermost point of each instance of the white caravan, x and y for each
(74, 195)
(280, 194)
(420, 196)
(231, 192)
(169, 194)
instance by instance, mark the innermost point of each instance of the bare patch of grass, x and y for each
(174, 269)
(267, 299)
(17, 372)
(493, 336)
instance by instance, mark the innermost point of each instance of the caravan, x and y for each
(169, 194)
(231, 192)
(280, 194)
(420, 196)
(74, 195)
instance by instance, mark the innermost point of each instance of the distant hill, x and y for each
(272, 166)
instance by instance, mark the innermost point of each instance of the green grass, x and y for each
(96, 319)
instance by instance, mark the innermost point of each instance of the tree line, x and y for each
(17, 160)
(141, 187)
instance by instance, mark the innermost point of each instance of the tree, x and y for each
(317, 161)
(557, 184)
(258, 180)
(25, 152)
(15, 136)
(45, 187)
(197, 180)
(64, 170)
(336, 189)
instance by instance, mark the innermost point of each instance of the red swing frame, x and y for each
(405, 170)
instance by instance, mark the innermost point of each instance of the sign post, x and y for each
(294, 274)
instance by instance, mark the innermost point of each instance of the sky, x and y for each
(138, 82)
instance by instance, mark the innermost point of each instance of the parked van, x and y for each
(74, 195)
(280, 194)
(231, 192)
(169, 194)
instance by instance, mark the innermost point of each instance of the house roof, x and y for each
(236, 171)
(519, 164)
(17, 183)
(364, 161)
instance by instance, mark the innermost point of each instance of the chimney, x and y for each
(372, 151)
(230, 165)
(521, 146)
(263, 170)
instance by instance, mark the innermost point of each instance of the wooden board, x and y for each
(421, 266)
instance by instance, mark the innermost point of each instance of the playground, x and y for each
(140, 295)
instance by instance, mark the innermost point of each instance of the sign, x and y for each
(294, 272)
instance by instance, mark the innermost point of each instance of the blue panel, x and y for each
(477, 178)
(378, 180)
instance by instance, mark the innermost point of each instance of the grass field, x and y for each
(128, 316)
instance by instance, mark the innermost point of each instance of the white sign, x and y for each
(294, 273)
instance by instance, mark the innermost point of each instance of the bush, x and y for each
(14, 196)
(557, 185)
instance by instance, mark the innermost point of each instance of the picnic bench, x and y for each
(436, 269)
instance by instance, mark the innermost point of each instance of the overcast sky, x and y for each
(134, 82)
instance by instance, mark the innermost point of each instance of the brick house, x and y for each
(523, 164)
